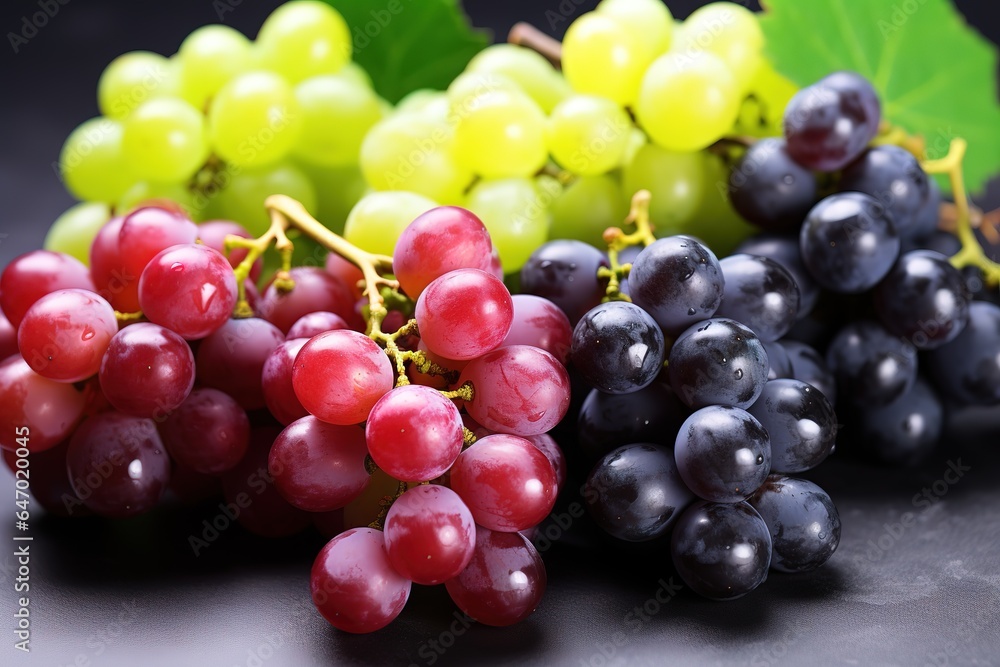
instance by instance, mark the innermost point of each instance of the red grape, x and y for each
(441, 240)
(49, 410)
(276, 382)
(346, 272)
(8, 337)
(107, 268)
(209, 432)
(49, 480)
(231, 359)
(313, 324)
(148, 230)
(315, 289)
(540, 323)
(464, 314)
(32, 275)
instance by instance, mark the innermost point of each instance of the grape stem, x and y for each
(618, 240)
(526, 35)
(126, 318)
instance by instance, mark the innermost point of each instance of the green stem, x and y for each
(618, 240)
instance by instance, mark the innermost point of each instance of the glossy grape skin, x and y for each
(32, 275)
(803, 522)
(213, 234)
(107, 268)
(254, 120)
(565, 273)
(464, 314)
(760, 293)
(925, 221)
(414, 433)
(74, 231)
(968, 368)
(721, 550)
(828, 124)
(504, 581)
(871, 366)
(718, 362)
(617, 347)
(315, 289)
(540, 323)
(904, 432)
(65, 334)
(208, 433)
(231, 359)
(319, 467)
(810, 367)
(147, 371)
(770, 189)
(924, 299)
(276, 382)
(164, 140)
(430, 535)
(304, 38)
(313, 324)
(635, 493)
(849, 242)
(354, 586)
(785, 251)
(50, 410)
(117, 464)
(506, 481)
(893, 176)
(8, 337)
(547, 445)
(723, 453)
(779, 365)
(146, 232)
(801, 424)
(608, 421)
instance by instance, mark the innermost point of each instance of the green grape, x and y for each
(502, 135)
(526, 68)
(676, 182)
(73, 232)
(731, 32)
(419, 100)
(715, 221)
(147, 192)
(464, 92)
(415, 153)
(255, 119)
(688, 101)
(377, 220)
(208, 58)
(242, 199)
(762, 114)
(356, 73)
(337, 190)
(601, 57)
(588, 135)
(646, 20)
(337, 112)
(304, 38)
(587, 207)
(92, 163)
(636, 140)
(133, 78)
(165, 140)
(516, 213)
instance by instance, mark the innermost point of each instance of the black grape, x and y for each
(905, 431)
(785, 251)
(801, 424)
(803, 522)
(606, 421)
(968, 368)
(809, 366)
(893, 176)
(780, 366)
(565, 272)
(872, 367)
(769, 189)
(617, 347)
(760, 293)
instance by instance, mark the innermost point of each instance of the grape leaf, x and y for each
(405, 45)
(936, 75)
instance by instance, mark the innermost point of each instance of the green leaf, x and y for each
(935, 74)
(406, 45)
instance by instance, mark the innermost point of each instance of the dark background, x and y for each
(131, 592)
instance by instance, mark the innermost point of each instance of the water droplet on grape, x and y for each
(691, 312)
(88, 333)
(739, 373)
(177, 266)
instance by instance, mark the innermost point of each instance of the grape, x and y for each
(336, 114)
(565, 273)
(49, 409)
(501, 136)
(147, 371)
(516, 214)
(729, 31)
(519, 389)
(635, 494)
(231, 359)
(117, 464)
(893, 176)
(540, 323)
(678, 281)
(464, 314)
(107, 269)
(254, 119)
(337, 189)
(829, 124)
(526, 68)
(810, 367)
(727, 229)
(676, 181)
(8, 338)
(617, 347)
(164, 140)
(315, 289)
(339, 376)
(213, 235)
(721, 550)
(243, 197)
(208, 58)
(785, 251)
(607, 421)
(587, 134)
(770, 189)
(587, 207)
(601, 57)
(803, 522)
(131, 79)
(547, 445)
(646, 20)
(687, 102)
(968, 368)
(34, 274)
(430, 535)
(872, 367)
(848, 242)
(312, 324)
(760, 293)
(905, 431)
(319, 467)
(718, 362)
(304, 38)
(461, 96)
(276, 382)
(92, 162)
(441, 240)
(801, 424)
(74, 231)
(143, 235)
(377, 220)
(147, 193)
(924, 299)
(925, 222)
(64, 335)
(723, 453)
(50, 485)
(208, 433)
(189, 289)
(780, 366)
(414, 433)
